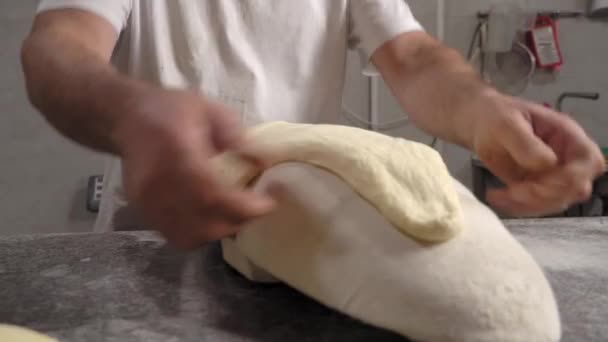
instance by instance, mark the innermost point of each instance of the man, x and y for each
(185, 74)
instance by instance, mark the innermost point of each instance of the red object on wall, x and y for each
(544, 41)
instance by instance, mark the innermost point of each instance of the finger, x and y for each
(183, 237)
(601, 167)
(229, 216)
(503, 166)
(213, 230)
(589, 157)
(529, 198)
(519, 200)
(538, 110)
(175, 223)
(189, 229)
(206, 192)
(504, 200)
(549, 115)
(573, 182)
(226, 131)
(253, 155)
(184, 242)
(553, 193)
(527, 149)
(186, 228)
(574, 135)
(598, 161)
(240, 206)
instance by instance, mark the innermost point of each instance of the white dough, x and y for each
(14, 333)
(330, 244)
(406, 181)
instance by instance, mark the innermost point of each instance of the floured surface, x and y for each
(138, 290)
(407, 182)
(583, 247)
(574, 254)
(130, 287)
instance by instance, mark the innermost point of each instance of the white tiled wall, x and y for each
(43, 177)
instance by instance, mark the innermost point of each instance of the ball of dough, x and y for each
(15, 333)
(330, 244)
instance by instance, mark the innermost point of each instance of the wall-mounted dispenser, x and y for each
(598, 8)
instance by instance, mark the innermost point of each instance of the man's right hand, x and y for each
(166, 139)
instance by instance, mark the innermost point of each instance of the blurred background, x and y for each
(44, 178)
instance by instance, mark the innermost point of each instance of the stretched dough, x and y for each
(406, 181)
(19, 334)
(330, 244)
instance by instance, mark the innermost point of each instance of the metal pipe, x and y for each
(441, 31)
(374, 103)
(552, 14)
(579, 95)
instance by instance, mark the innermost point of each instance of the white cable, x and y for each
(373, 92)
(441, 22)
(441, 18)
(374, 103)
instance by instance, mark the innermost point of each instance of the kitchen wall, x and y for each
(42, 176)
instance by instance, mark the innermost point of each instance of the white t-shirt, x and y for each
(267, 59)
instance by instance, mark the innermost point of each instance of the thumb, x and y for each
(525, 147)
(226, 131)
(228, 134)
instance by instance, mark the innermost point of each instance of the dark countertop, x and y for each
(130, 287)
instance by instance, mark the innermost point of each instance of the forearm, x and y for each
(437, 88)
(75, 87)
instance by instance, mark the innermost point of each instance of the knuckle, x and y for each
(216, 231)
(509, 120)
(210, 199)
(583, 191)
(185, 242)
(573, 180)
(239, 216)
(138, 189)
(278, 188)
(600, 166)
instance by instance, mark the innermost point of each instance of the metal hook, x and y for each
(580, 95)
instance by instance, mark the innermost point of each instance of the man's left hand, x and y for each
(545, 158)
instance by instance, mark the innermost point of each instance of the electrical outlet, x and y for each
(94, 191)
